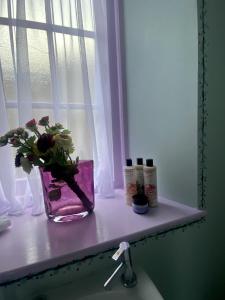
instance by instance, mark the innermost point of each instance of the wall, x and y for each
(161, 41)
(191, 264)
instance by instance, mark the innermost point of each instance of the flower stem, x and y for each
(80, 194)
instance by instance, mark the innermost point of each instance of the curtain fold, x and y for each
(102, 115)
(24, 100)
(8, 201)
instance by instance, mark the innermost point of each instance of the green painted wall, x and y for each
(191, 264)
(161, 41)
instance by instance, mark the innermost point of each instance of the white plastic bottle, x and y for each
(139, 176)
(129, 181)
(150, 183)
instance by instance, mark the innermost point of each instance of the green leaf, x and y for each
(24, 150)
(3, 141)
(53, 130)
(26, 164)
(31, 140)
(38, 162)
(66, 131)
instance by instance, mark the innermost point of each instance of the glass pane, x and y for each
(35, 10)
(87, 14)
(78, 124)
(12, 117)
(64, 13)
(76, 121)
(39, 65)
(32, 10)
(69, 68)
(38, 113)
(7, 64)
(90, 55)
(3, 8)
(18, 11)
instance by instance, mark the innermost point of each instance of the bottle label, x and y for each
(130, 185)
(140, 180)
(150, 184)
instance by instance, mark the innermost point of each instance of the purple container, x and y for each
(62, 204)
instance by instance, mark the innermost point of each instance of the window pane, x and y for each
(7, 64)
(39, 65)
(64, 13)
(38, 113)
(87, 14)
(78, 124)
(12, 117)
(69, 68)
(3, 8)
(35, 10)
(90, 55)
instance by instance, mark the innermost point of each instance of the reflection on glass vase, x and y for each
(69, 200)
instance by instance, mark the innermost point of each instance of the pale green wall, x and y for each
(161, 42)
(190, 265)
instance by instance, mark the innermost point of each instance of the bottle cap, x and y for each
(139, 161)
(149, 162)
(129, 162)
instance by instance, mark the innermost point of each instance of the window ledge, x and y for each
(33, 244)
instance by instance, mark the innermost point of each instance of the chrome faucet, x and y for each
(128, 277)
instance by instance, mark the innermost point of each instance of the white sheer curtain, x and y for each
(54, 61)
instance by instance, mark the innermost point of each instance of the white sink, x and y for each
(144, 290)
(91, 288)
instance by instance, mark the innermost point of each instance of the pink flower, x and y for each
(32, 124)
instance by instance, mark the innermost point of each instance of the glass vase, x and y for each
(71, 200)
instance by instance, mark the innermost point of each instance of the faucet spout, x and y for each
(128, 276)
(113, 274)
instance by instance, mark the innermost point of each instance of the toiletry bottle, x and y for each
(129, 181)
(150, 182)
(139, 176)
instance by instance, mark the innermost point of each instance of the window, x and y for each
(55, 61)
(47, 41)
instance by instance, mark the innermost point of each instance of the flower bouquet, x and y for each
(68, 187)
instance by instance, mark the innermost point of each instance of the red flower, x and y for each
(44, 121)
(32, 124)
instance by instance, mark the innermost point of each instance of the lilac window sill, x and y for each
(34, 244)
